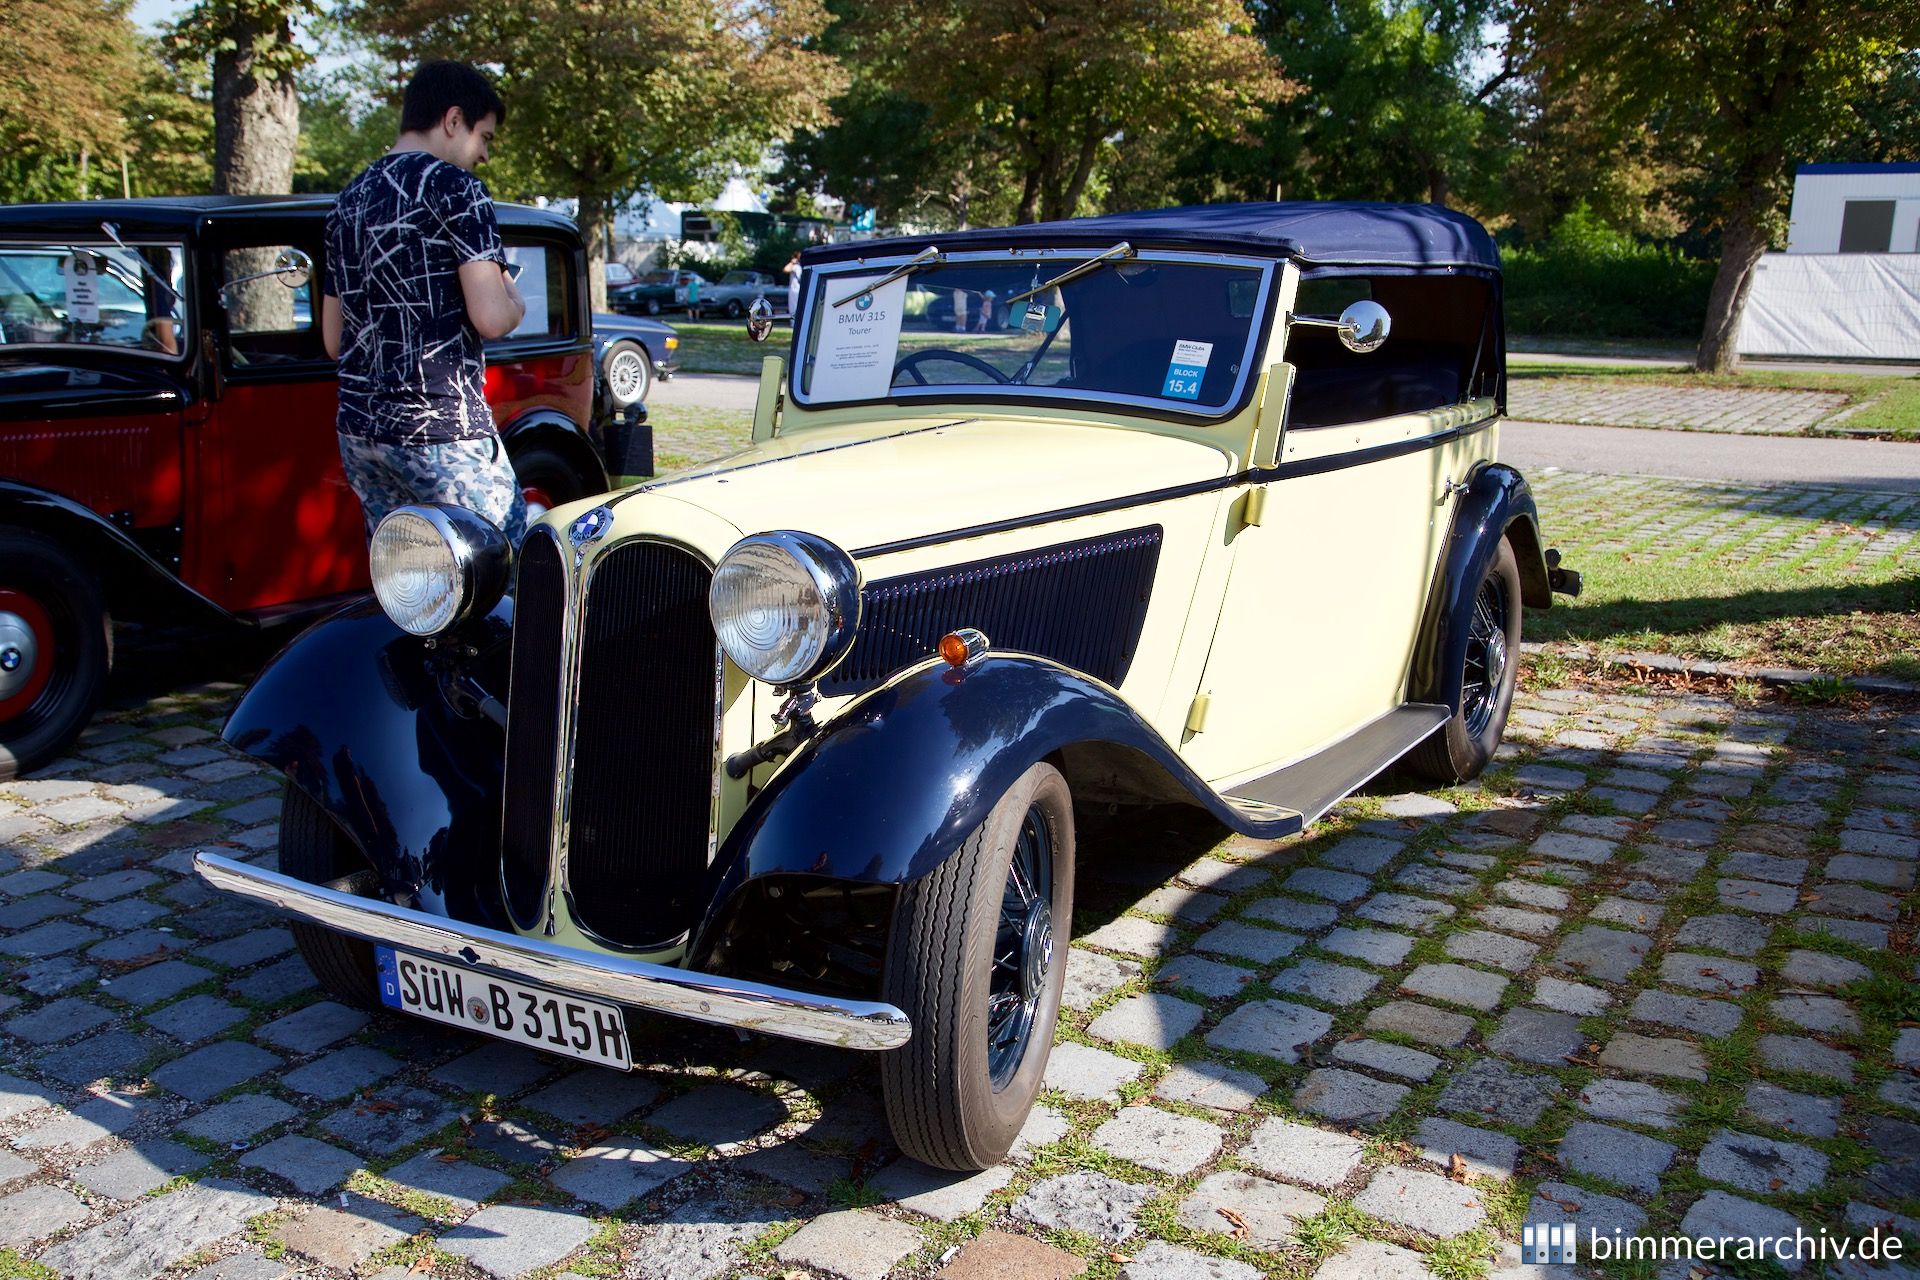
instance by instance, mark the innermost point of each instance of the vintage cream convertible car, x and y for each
(1196, 506)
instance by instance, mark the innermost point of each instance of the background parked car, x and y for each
(618, 273)
(654, 292)
(736, 292)
(629, 352)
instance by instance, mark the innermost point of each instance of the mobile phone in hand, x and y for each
(512, 269)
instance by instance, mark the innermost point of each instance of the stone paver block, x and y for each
(1820, 971)
(1798, 1053)
(1456, 984)
(1154, 1020)
(1403, 910)
(1266, 1210)
(1272, 1028)
(345, 1236)
(1491, 1088)
(509, 1240)
(700, 1240)
(312, 1028)
(1573, 848)
(30, 1216)
(58, 1020)
(1206, 977)
(71, 1128)
(999, 1255)
(1322, 980)
(517, 1142)
(940, 1193)
(1082, 1072)
(1714, 974)
(1719, 1216)
(1537, 1036)
(1557, 1203)
(1880, 871)
(1674, 866)
(133, 1171)
(202, 1073)
(615, 1174)
(1248, 942)
(1627, 913)
(1539, 778)
(1631, 1101)
(238, 1119)
(854, 1244)
(497, 1068)
(1482, 946)
(1366, 855)
(461, 1184)
(1134, 936)
(1757, 896)
(1737, 935)
(1043, 1128)
(46, 940)
(1486, 1154)
(1334, 886)
(154, 1234)
(1091, 1203)
(1158, 1260)
(1897, 1143)
(1438, 1027)
(342, 1072)
(1211, 1084)
(1852, 900)
(312, 1167)
(1712, 1018)
(1817, 1013)
(104, 1054)
(1654, 1056)
(1576, 998)
(594, 1096)
(1090, 976)
(389, 1120)
(1423, 1201)
(1599, 952)
(1292, 913)
(1527, 893)
(1387, 1059)
(1373, 946)
(1764, 866)
(156, 982)
(1347, 1097)
(1800, 1113)
(1442, 882)
(1534, 924)
(1631, 1160)
(1373, 1260)
(1159, 1139)
(1303, 1154)
(1764, 1166)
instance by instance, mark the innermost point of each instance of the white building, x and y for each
(1848, 285)
(1855, 208)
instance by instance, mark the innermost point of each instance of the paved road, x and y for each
(1699, 455)
(706, 391)
(1749, 366)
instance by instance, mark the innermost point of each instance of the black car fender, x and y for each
(137, 586)
(549, 428)
(1497, 506)
(890, 788)
(355, 713)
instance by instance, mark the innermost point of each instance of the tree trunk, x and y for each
(1437, 186)
(1030, 195)
(1741, 245)
(593, 229)
(256, 121)
(1082, 170)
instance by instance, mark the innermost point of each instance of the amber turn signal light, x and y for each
(960, 647)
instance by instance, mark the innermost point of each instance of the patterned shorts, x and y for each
(464, 473)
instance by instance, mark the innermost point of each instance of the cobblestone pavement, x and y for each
(1690, 408)
(1647, 976)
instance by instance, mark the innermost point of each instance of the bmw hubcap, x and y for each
(18, 647)
(624, 375)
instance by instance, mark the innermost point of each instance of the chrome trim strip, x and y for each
(681, 993)
(561, 724)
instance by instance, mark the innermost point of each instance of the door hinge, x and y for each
(1197, 713)
(1253, 507)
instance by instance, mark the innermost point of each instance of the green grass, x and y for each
(1875, 402)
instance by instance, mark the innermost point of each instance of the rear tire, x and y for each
(313, 848)
(56, 648)
(626, 373)
(958, 1092)
(735, 308)
(1462, 748)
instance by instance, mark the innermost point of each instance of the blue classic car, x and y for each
(629, 352)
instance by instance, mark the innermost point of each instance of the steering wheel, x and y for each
(907, 363)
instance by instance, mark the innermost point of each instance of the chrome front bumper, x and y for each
(795, 1015)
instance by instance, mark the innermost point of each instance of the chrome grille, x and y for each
(533, 726)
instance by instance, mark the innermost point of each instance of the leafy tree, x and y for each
(170, 114)
(1737, 92)
(63, 68)
(256, 108)
(1057, 87)
(609, 97)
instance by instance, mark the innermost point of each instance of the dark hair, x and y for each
(438, 86)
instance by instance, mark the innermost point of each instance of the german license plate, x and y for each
(533, 1016)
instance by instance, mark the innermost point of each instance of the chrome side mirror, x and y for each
(760, 320)
(1364, 325)
(293, 268)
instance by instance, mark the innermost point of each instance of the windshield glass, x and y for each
(94, 296)
(1154, 330)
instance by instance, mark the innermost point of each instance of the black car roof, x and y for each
(181, 215)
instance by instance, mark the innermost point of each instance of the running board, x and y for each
(1314, 785)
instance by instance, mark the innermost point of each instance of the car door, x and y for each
(274, 521)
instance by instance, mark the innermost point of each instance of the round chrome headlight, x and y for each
(785, 606)
(434, 567)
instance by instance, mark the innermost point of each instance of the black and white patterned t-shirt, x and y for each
(411, 364)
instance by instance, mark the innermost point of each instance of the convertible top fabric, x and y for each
(1312, 233)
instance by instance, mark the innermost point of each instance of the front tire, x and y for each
(1461, 749)
(56, 648)
(313, 848)
(627, 374)
(974, 963)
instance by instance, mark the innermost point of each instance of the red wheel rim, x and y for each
(28, 610)
(539, 501)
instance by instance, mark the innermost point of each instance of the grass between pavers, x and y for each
(1875, 402)
(1773, 576)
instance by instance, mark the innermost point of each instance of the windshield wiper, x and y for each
(927, 257)
(1115, 254)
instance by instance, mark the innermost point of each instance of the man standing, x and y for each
(416, 278)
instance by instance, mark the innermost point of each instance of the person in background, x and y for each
(793, 286)
(416, 279)
(693, 295)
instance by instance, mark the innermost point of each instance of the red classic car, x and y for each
(167, 447)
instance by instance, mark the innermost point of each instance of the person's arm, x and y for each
(330, 324)
(494, 305)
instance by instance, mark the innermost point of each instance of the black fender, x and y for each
(1497, 505)
(886, 791)
(555, 430)
(137, 586)
(355, 713)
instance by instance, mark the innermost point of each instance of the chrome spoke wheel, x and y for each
(1022, 951)
(1487, 655)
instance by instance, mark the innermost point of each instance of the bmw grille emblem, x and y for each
(590, 527)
